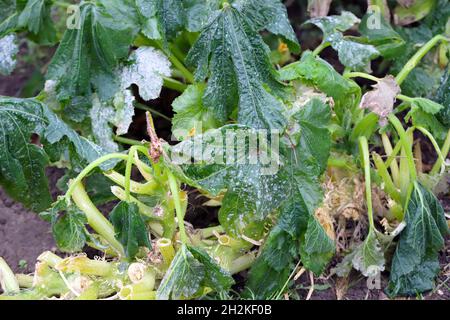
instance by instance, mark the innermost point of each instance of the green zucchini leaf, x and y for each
(130, 228)
(191, 270)
(415, 264)
(23, 161)
(233, 55)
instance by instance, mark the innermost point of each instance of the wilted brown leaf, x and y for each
(382, 98)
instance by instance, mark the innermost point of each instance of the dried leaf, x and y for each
(382, 98)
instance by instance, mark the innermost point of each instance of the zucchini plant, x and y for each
(265, 130)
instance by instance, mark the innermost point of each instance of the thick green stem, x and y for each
(364, 147)
(389, 186)
(320, 48)
(147, 108)
(393, 165)
(86, 266)
(441, 158)
(167, 250)
(135, 187)
(128, 141)
(174, 189)
(407, 146)
(95, 218)
(89, 168)
(361, 75)
(50, 258)
(242, 263)
(445, 150)
(174, 85)
(414, 61)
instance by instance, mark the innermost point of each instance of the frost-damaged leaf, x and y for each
(191, 270)
(101, 116)
(382, 98)
(224, 161)
(146, 68)
(352, 54)
(191, 116)
(270, 15)
(236, 59)
(318, 8)
(367, 257)
(318, 73)
(87, 57)
(8, 52)
(130, 228)
(164, 18)
(22, 162)
(415, 264)
(68, 229)
(306, 160)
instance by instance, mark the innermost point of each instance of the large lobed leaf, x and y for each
(22, 162)
(191, 270)
(292, 190)
(415, 264)
(352, 54)
(130, 228)
(231, 53)
(87, 57)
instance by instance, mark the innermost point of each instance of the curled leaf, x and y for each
(382, 98)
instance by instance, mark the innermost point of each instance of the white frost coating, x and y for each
(8, 52)
(101, 116)
(123, 102)
(147, 69)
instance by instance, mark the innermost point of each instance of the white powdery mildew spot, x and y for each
(147, 70)
(8, 52)
(124, 111)
(101, 116)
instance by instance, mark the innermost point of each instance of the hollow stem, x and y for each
(167, 250)
(24, 280)
(8, 281)
(86, 266)
(50, 258)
